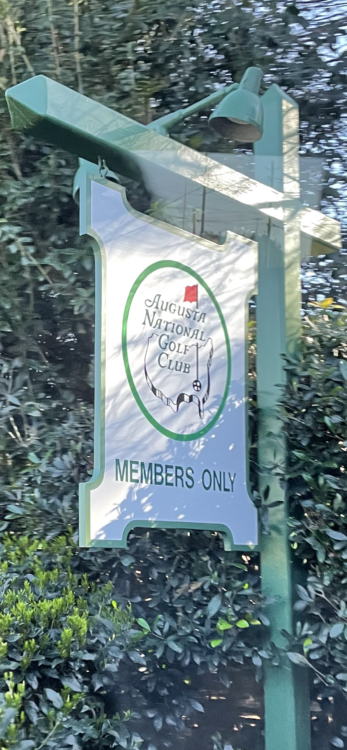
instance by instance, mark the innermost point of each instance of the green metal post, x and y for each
(287, 707)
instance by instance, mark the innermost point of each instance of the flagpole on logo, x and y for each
(197, 383)
(191, 295)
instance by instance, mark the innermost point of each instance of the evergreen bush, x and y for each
(58, 633)
(314, 413)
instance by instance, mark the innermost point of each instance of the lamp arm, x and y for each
(166, 123)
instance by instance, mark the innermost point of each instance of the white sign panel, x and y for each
(171, 320)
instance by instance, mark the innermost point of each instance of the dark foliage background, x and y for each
(314, 412)
(196, 620)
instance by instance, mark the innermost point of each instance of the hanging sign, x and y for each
(170, 377)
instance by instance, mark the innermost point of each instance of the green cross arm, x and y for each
(92, 131)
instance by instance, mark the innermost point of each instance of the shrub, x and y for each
(314, 413)
(58, 632)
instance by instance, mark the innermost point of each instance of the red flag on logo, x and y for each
(191, 294)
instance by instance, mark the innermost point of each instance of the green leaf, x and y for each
(223, 624)
(214, 605)
(158, 723)
(97, 681)
(137, 658)
(33, 458)
(16, 509)
(127, 560)
(175, 646)
(54, 698)
(14, 400)
(303, 594)
(336, 629)
(6, 718)
(306, 645)
(216, 642)
(72, 683)
(32, 712)
(298, 659)
(143, 623)
(71, 740)
(337, 535)
(242, 624)
(328, 423)
(32, 680)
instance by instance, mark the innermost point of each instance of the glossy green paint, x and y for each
(164, 124)
(287, 705)
(99, 363)
(239, 116)
(92, 131)
(245, 107)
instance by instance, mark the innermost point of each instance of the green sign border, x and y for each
(150, 269)
(87, 174)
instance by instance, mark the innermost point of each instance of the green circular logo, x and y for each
(167, 264)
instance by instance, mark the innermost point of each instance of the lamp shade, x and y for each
(239, 116)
